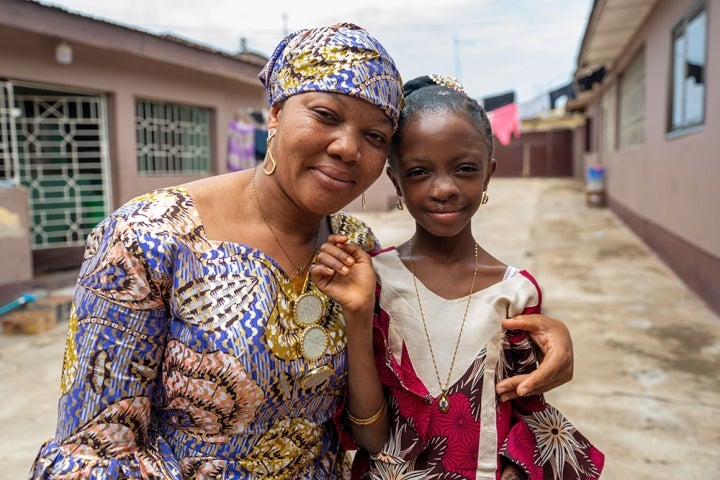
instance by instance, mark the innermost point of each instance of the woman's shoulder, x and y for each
(164, 209)
(163, 212)
(355, 229)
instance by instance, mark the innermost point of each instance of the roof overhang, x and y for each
(57, 22)
(611, 27)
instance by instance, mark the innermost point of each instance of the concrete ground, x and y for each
(647, 384)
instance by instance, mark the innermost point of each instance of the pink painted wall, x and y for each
(220, 84)
(671, 182)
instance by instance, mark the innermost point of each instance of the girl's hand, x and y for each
(344, 271)
(556, 365)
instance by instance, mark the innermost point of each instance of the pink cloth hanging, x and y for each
(505, 123)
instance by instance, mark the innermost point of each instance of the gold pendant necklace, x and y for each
(298, 270)
(308, 309)
(443, 401)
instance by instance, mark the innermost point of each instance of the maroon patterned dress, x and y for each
(476, 435)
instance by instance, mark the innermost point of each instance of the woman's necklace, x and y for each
(443, 402)
(298, 270)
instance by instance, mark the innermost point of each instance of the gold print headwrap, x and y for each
(341, 58)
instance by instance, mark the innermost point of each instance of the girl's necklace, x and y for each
(443, 402)
(298, 269)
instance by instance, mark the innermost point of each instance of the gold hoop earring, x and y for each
(398, 203)
(271, 134)
(363, 201)
(268, 154)
(485, 197)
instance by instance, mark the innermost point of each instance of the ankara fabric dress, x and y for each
(182, 359)
(427, 443)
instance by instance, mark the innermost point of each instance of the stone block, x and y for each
(26, 321)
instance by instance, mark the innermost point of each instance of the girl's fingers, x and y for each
(332, 263)
(335, 257)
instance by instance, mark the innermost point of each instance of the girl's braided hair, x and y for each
(438, 93)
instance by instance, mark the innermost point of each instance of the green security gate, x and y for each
(54, 143)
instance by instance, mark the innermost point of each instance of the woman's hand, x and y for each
(344, 271)
(556, 365)
(512, 472)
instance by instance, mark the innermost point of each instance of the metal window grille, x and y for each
(632, 103)
(172, 138)
(9, 163)
(61, 152)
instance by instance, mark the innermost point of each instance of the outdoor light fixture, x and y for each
(63, 53)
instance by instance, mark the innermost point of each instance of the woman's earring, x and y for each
(268, 155)
(363, 201)
(485, 197)
(398, 203)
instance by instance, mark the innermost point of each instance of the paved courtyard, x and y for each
(647, 384)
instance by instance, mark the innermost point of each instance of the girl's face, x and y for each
(442, 167)
(329, 148)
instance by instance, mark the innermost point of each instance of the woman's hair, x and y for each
(440, 94)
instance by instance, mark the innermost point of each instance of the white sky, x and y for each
(492, 46)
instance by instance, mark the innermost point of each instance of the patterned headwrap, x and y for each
(342, 58)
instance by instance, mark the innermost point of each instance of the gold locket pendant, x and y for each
(443, 402)
(308, 309)
(316, 377)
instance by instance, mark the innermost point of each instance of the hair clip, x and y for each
(448, 81)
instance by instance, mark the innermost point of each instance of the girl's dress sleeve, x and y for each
(115, 343)
(540, 438)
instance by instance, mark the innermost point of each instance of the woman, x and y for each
(198, 347)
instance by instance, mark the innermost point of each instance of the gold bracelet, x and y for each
(369, 420)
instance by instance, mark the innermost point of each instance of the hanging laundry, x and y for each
(241, 146)
(536, 107)
(261, 135)
(567, 91)
(496, 101)
(505, 123)
(586, 83)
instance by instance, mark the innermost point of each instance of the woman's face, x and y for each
(329, 148)
(442, 167)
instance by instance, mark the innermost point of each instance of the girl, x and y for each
(437, 326)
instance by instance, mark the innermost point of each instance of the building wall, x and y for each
(537, 154)
(123, 78)
(122, 65)
(16, 272)
(666, 189)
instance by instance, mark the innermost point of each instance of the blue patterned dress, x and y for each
(182, 358)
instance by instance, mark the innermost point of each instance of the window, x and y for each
(608, 119)
(172, 138)
(688, 75)
(632, 102)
